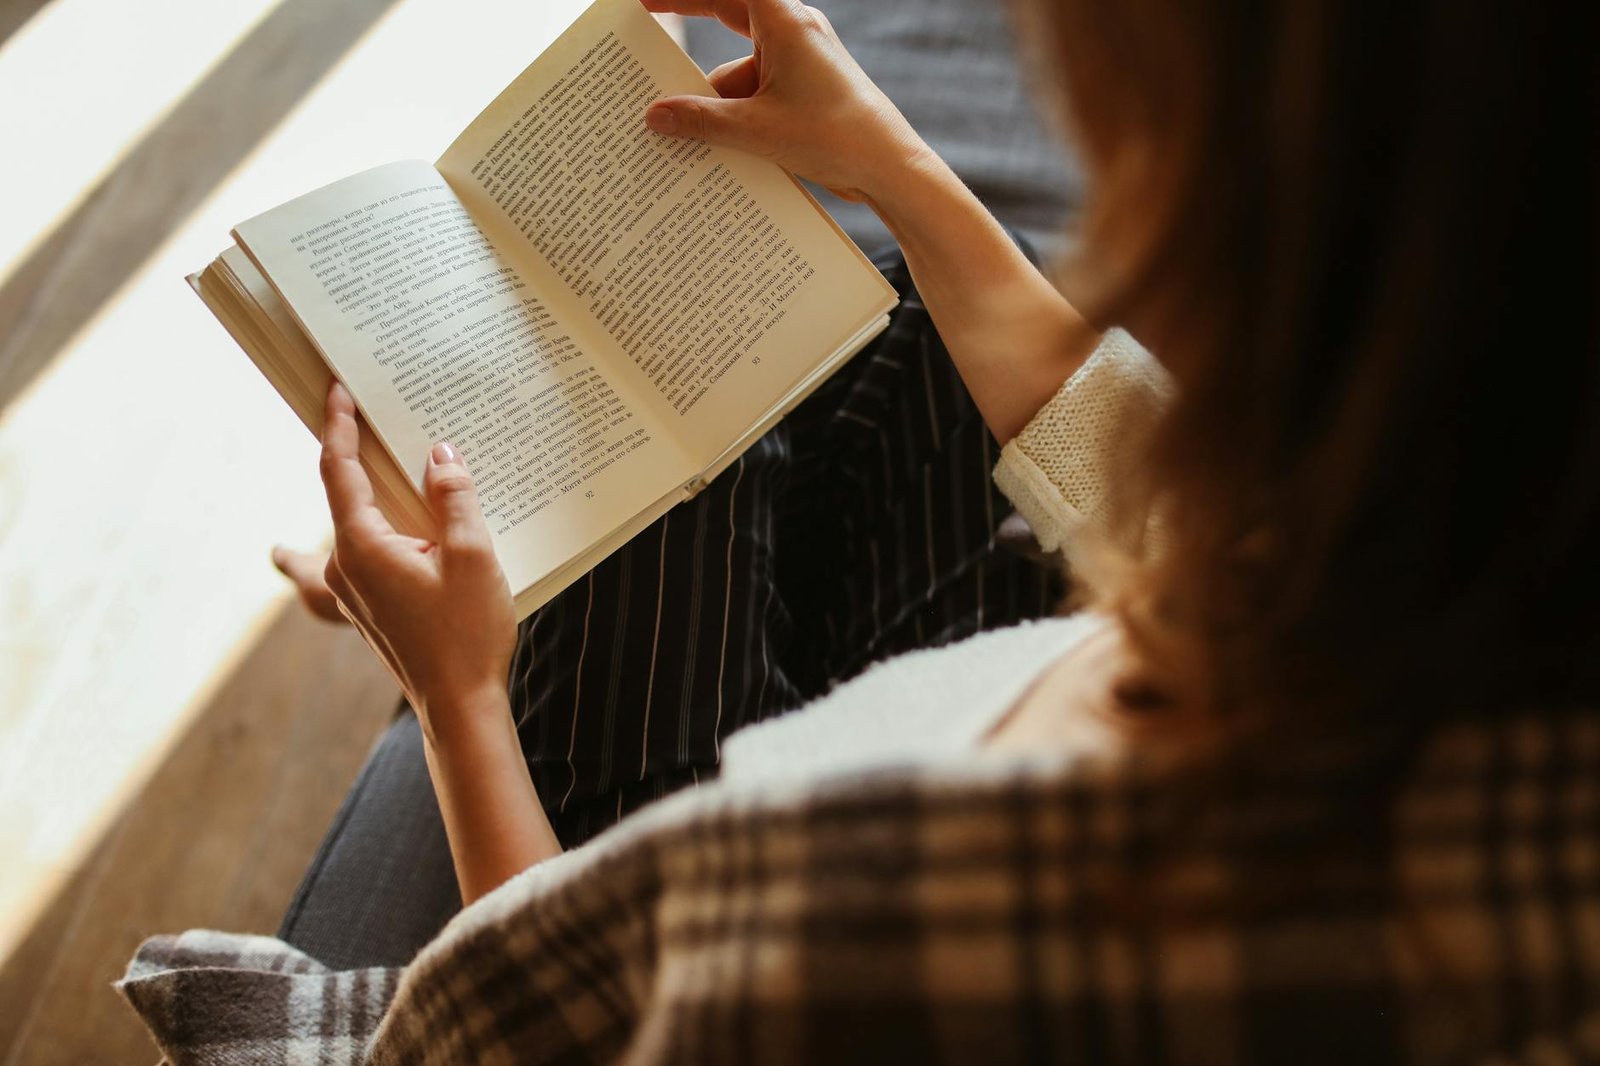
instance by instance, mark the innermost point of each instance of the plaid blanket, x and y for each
(999, 910)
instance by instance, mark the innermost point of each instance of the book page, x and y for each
(252, 311)
(719, 283)
(438, 335)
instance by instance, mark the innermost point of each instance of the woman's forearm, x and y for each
(1013, 336)
(492, 815)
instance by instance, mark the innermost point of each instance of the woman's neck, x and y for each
(1097, 700)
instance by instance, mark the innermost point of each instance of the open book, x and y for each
(599, 318)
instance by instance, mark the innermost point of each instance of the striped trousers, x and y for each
(862, 526)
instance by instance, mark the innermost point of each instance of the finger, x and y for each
(454, 499)
(767, 17)
(305, 570)
(734, 14)
(350, 497)
(737, 79)
(707, 118)
(750, 18)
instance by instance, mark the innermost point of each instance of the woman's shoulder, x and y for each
(829, 912)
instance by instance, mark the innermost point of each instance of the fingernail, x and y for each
(279, 555)
(444, 452)
(661, 119)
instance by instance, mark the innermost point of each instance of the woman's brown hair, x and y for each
(1361, 236)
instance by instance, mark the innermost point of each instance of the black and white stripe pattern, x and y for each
(860, 527)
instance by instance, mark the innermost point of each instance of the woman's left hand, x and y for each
(438, 613)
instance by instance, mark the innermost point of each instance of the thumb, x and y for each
(453, 497)
(705, 118)
(306, 570)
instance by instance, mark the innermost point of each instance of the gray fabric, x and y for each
(951, 67)
(382, 884)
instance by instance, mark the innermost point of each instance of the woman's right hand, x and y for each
(798, 100)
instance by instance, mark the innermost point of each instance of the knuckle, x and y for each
(453, 484)
(692, 120)
(468, 545)
(812, 20)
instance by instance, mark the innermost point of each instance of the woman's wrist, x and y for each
(919, 199)
(468, 718)
(491, 810)
(906, 167)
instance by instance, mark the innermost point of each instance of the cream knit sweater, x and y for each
(1055, 471)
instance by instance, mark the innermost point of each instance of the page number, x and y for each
(589, 495)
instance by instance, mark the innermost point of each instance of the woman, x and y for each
(1316, 781)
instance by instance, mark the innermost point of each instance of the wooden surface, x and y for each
(171, 743)
(218, 838)
(142, 474)
(13, 13)
(174, 167)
